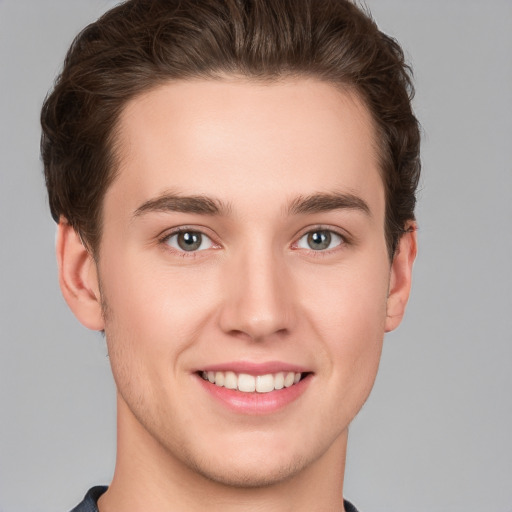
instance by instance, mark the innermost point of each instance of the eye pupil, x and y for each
(189, 240)
(319, 240)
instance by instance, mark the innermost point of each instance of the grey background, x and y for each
(436, 432)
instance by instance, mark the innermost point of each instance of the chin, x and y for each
(249, 474)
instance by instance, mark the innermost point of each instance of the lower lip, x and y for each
(256, 403)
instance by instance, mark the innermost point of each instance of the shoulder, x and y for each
(90, 501)
(349, 507)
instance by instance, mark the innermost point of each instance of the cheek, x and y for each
(348, 296)
(349, 313)
(154, 310)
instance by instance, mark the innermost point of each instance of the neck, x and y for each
(148, 477)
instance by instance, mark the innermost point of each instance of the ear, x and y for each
(401, 277)
(78, 277)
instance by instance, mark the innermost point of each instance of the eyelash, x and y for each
(344, 241)
(164, 240)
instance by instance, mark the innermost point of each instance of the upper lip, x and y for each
(253, 368)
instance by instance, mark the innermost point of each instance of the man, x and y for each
(234, 183)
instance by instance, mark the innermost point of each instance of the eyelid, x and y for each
(345, 238)
(168, 233)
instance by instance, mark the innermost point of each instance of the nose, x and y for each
(258, 296)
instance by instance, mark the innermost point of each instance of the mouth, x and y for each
(247, 383)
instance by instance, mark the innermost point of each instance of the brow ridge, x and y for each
(323, 202)
(172, 202)
(203, 205)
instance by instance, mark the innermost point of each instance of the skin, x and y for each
(256, 291)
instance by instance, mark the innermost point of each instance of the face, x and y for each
(244, 274)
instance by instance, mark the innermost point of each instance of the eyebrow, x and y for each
(203, 205)
(171, 202)
(324, 202)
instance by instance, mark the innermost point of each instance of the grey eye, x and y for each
(189, 241)
(320, 240)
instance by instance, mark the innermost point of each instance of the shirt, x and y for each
(90, 502)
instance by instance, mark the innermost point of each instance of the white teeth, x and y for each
(219, 379)
(264, 383)
(279, 380)
(230, 380)
(246, 383)
(288, 380)
(249, 383)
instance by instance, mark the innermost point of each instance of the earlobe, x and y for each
(401, 277)
(78, 277)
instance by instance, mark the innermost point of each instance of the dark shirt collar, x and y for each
(90, 502)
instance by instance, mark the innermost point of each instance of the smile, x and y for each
(252, 383)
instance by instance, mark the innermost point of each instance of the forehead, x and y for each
(239, 139)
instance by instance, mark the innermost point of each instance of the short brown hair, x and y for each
(143, 43)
